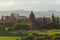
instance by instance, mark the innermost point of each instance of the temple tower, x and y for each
(32, 21)
(52, 19)
(44, 20)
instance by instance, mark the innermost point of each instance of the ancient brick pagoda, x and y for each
(52, 19)
(32, 21)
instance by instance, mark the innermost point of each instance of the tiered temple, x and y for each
(32, 21)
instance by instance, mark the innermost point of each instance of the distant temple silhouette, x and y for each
(31, 24)
(44, 20)
(35, 23)
(32, 21)
(13, 16)
(52, 19)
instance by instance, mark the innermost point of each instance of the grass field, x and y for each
(9, 38)
(30, 32)
(49, 32)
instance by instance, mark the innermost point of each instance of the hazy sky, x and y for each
(40, 5)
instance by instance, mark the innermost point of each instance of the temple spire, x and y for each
(52, 18)
(31, 20)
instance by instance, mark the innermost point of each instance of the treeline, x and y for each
(22, 24)
(36, 36)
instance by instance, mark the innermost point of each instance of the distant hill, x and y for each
(26, 13)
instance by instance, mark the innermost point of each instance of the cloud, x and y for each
(30, 2)
(35, 2)
(27, 4)
(9, 3)
(57, 1)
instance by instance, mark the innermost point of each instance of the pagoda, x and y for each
(32, 21)
(52, 19)
(44, 20)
